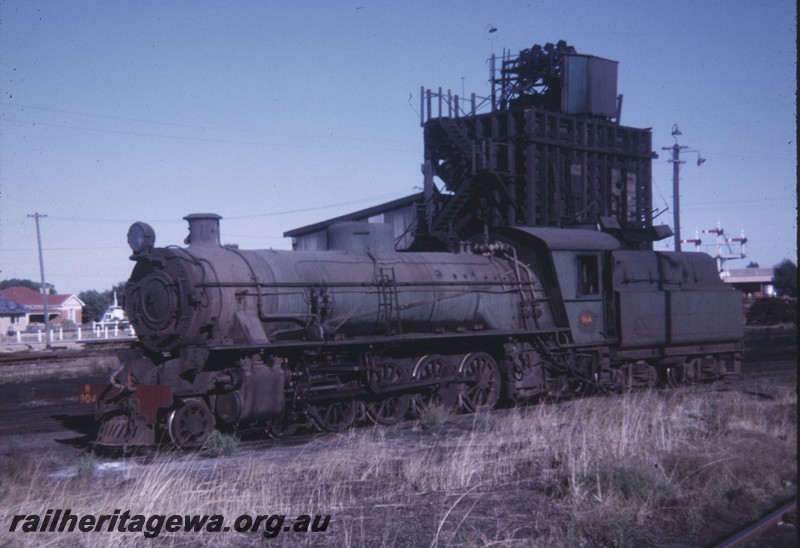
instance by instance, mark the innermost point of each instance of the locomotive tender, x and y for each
(234, 339)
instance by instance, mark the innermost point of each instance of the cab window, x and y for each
(588, 275)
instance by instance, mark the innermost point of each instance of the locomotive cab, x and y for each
(584, 291)
(574, 269)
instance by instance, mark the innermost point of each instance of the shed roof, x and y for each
(356, 215)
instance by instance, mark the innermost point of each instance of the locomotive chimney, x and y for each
(203, 229)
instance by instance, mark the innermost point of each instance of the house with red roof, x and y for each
(12, 316)
(59, 307)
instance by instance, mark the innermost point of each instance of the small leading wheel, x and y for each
(333, 417)
(190, 424)
(480, 388)
(390, 409)
(443, 394)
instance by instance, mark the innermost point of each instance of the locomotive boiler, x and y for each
(272, 340)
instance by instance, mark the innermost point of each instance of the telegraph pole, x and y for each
(676, 178)
(38, 216)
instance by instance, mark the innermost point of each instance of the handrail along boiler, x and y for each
(234, 339)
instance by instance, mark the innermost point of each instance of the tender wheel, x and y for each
(641, 374)
(712, 368)
(390, 409)
(434, 366)
(480, 389)
(333, 417)
(190, 424)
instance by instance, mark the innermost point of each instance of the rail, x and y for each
(449, 105)
(754, 530)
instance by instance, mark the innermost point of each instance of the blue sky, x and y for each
(279, 114)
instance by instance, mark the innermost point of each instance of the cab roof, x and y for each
(568, 239)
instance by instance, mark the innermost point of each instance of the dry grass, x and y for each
(605, 471)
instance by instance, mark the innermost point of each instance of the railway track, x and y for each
(38, 418)
(763, 531)
(770, 357)
(61, 354)
(49, 409)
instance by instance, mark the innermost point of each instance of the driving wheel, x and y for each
(480, 388)
(389, 409)
(443, 393)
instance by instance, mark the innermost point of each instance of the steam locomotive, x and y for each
(237, 339)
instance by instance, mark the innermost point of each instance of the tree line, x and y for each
(95, 303)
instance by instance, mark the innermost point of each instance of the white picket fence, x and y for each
(93, 331)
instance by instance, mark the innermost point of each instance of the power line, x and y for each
(143, 134)
(125, 119)
(232, 217)
(210, 139)
(78, 248)
(202, 127)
